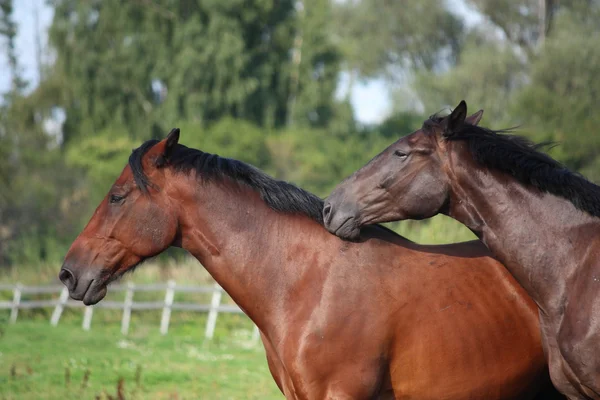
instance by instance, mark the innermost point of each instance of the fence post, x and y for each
(15, 304)
(87, 318)
(127, 308)
(166, 314)
(211, 321)
(60, 305)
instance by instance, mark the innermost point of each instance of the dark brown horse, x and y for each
(380, 319)
(538, 218)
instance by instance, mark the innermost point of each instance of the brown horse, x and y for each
(538, 218)
(380, 319)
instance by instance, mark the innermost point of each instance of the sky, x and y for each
(370, 99)
(25, 41)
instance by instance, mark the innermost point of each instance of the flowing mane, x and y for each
(522, 159)
(279, 195)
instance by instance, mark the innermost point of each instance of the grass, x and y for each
(38, 361)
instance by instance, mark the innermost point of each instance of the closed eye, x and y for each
(400, 153)
(115, 198)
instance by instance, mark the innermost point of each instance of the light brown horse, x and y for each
(381, 319)
(541, 220)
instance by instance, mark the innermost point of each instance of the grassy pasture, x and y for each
(38, 361)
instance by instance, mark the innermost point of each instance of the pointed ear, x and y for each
(456, 119)
(474, 118)
(170, 144)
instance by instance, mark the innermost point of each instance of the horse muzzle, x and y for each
(342, 222)
(86, 286)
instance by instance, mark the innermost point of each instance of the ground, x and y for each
(38, 361)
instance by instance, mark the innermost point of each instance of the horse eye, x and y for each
(400, 154)
(115, 198)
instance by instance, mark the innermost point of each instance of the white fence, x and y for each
(213, 309)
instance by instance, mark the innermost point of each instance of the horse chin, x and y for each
(94, 294)
(352, 236)
(348, 231)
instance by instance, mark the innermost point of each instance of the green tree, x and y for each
(379, 37)
(142, 65)
(40, 207)
(561, 101)
(315, 68)
(526, 24)
(487, 76)
(523, 23)
(105, 56)
(36, 219)
(8, 32)
(102, 158)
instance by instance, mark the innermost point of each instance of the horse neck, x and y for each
(532, 233)
(249, 249)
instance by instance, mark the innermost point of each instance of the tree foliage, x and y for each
(561, 100)
(380, 37)
(257, 81)
(141, 64)
(487, 76)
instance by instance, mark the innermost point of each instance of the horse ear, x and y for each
(170, 143)
(456, 119)
(474, 118)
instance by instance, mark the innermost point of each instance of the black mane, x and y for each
(279, 195)
(521, 158)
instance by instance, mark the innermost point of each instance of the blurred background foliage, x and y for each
(261, 81)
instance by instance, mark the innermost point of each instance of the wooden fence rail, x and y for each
(167, 305)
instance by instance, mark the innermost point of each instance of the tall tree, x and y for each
(315, 66)
(526, 24)
(561, 101)
(140, 64)
(7, 142)
(381, 36)
(35, 193)
(487, 75)
(523, 23)
(8, 32)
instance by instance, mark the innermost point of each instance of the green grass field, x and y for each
(38, 361)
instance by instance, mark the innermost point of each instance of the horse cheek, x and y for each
(156, 231)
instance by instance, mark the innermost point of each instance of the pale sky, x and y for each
(370, 99)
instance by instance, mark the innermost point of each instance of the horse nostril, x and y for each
(67, 278)
(327, 213)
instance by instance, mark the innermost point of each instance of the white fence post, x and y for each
(87, 318)
(14, 312)
(127, 308)
(211, 321)
(166, 314)
(60, 306)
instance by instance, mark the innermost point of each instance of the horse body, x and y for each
(419, 325)
(536, 217)
(380, 319)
